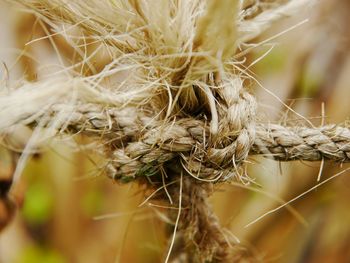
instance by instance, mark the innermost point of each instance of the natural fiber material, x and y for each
(201, 238)
(182, 118)
(155, 142)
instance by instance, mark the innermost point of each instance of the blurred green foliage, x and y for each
(35, 254)
(309, 83)
(92, 202)
(38, 205)
(273, 62)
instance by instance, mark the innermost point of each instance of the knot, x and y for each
(189, 143)
(237, 111)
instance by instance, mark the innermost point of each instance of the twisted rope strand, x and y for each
(150, 140)
(139, 142)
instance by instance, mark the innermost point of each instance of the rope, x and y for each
(150, 140)
(209, 127)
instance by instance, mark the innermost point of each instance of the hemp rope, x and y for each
(142, 148)
(151, 140)
(204, 148)
(152, 145)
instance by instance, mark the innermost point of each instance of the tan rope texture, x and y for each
(150, 143)
(190, 123)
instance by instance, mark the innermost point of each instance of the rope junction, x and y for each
(209, 127)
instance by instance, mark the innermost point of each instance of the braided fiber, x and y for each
(183, 109)
(150, 143)
(197, 223)
(281, 143)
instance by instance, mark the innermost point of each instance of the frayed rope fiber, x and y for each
(183, 118)
(142, 148)
(150, 143)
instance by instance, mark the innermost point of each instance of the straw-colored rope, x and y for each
(150, 143)
(142, 148)
(200, 230)
(187, 112)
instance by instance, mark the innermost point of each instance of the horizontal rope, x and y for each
(330, 142)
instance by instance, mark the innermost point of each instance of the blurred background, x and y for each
(68, 212)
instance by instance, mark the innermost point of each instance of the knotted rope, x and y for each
(191, 124)
(141, 148)
(149, 143)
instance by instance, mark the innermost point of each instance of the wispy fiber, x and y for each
(181, 106)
